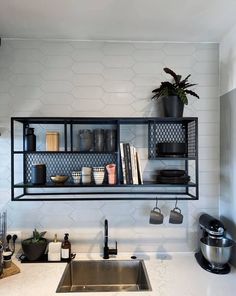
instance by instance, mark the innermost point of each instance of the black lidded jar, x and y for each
(38, 174)
(30, 139)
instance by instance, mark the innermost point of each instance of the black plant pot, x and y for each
(34, 251)
(173, 106)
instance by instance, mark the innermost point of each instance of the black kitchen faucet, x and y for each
(106, 250)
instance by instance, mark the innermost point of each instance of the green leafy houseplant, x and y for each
(35, 246)
(179, 87)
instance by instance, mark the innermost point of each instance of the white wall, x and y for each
(48, 78)
(228, 62)
(227, 134)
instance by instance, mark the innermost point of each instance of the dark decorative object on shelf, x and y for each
(171, 149)
(172, 173)
(85, 140)
(35, 246)
(30, 139)
(38, 174)
(174, 94)
(99, 137)
(110, 140)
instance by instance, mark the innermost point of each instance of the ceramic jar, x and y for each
(76, 176)
(85, 140)
(98, 175)
(86, 175)
(38, 174)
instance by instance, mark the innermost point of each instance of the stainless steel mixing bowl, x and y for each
(216, 251)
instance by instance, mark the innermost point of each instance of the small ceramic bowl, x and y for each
(76, 173)
(98, 169)
(59, 179)
(76, 176)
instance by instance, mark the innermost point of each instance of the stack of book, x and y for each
(130, 162)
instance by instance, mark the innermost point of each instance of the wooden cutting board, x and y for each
(10, 271)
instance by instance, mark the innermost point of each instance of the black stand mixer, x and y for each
(215, 249)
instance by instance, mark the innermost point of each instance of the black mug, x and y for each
(176, 216)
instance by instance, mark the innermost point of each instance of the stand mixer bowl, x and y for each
(216, 251)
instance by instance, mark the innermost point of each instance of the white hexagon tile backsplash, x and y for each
(83, 78)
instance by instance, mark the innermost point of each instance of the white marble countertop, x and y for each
(173, 274)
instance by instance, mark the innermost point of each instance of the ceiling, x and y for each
(144, 20)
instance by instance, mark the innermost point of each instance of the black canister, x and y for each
(110, 140)
(30, 139)
(38, 174)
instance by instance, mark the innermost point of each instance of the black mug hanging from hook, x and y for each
(156, 216)
(176, 216)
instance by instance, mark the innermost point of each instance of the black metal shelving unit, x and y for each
(182, 130)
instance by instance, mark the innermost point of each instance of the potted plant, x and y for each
(174, 94)
(35, 246)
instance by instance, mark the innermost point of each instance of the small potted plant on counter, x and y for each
(35, 246)
(174, 94)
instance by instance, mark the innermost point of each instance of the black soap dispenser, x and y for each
(30, 139)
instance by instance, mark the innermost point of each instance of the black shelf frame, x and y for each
(105, 191)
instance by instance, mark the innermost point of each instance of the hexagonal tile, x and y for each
(56, 86)
(87, 79)
(149, 55)
(57, 99)
(148, 68)
(87, 105)
(57, 74)
(87, 92)
(118, 86)
(57, 61)
(118, 74)
(118, 98)
(87, 55)
(87, 68)
(116, 48)
(26, 67)
(118, 61)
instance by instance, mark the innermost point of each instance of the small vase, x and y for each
(173, 106)
(30, 139)
(111, 169)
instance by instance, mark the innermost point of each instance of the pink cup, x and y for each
(111, 169)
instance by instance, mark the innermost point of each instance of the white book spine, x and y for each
(123, 162)
(134, 167)
(140, 174)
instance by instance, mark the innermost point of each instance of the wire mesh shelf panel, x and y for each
(64, 164)
(172, 132)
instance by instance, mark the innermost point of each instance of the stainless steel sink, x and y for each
(104, 276)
